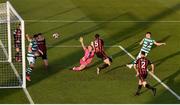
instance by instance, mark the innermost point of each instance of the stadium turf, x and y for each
(119, 22)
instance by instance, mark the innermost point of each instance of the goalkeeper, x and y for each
(87, 58)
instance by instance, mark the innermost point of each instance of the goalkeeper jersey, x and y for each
(33, 45)
(147, 45)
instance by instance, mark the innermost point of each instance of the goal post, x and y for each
(12, 48)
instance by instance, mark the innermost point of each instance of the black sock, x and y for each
(139, 88)
(149, 86)
(103, 66)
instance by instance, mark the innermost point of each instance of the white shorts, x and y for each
(31, 60)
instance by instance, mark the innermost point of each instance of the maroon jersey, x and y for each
(99, 49)
(17, 37)
(142, 64)
(42, 45)
(99, 45)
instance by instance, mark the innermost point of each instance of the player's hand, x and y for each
(81, 39)
(92, 44)
(137, 74)
(164, 43)
(27, 36)
(152, 72)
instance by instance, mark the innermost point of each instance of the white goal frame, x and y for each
(10, 7)
(8, 52)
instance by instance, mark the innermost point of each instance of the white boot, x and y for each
(129, 66)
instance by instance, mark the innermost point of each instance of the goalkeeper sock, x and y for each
(103, 66)
(28, 71)
(76, 68)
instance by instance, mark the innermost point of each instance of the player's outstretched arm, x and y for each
(40, 52)
(82, 43)
(141, 42)
(28, 38)
(159, 44)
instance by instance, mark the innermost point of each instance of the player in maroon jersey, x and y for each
(98, 45)
(141, 67)
(41, 42)
(17, 43)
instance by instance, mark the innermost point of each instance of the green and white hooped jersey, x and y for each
(33, 45)
(147, 45)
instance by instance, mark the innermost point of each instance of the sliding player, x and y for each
(88, 56)
(98, 45)
(140, 67)
(41, 42)
(32, 53)
(17, 43)
(147, 44)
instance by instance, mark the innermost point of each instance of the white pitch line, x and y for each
(17, 75)
(28, 96)
(154, 76)
(73, 46)
(89, 21)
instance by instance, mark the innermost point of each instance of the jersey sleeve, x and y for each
(102, 42)
(136, 62)
(153, 41)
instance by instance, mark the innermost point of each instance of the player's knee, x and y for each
(45, 62)
(31, 66)
(17, 49)
(107, 61)
(144, 83)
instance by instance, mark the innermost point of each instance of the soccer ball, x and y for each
(55, 35)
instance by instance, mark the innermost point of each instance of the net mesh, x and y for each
(10, 71)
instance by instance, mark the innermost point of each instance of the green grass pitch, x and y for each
(117, 83)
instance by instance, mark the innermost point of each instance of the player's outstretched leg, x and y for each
(79, 68)
(150, 87)
(28, 73)
(138, 90)
(107, 63)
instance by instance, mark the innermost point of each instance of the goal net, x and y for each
(12, 48)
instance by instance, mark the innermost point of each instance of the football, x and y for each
(55, 35)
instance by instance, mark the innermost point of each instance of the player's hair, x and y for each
(143, 53)
(148, 33)
(35, 36)
(97, 36)
(39, 34)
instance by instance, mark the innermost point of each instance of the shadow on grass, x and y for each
(159, 62)
(125, 34)
(164, 97)
(141, 26)
(56, 14)
(94, 28)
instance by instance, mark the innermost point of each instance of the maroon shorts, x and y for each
(17, 45)
(143, 77)
(101, 55)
